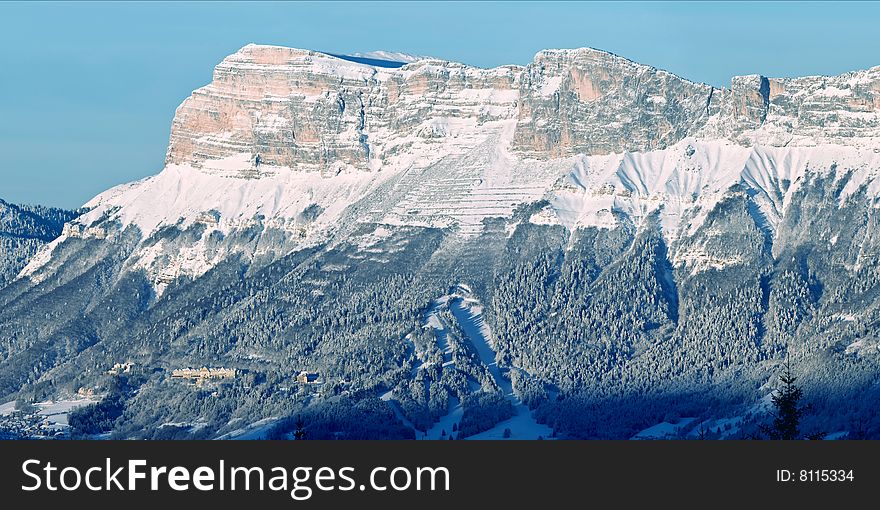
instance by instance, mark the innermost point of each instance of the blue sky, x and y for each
(88, 90)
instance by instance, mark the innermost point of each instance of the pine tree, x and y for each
(300, 432)
(702, 433)
(786, 401)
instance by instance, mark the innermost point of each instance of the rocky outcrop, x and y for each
(813, 110)
(314, 112)
(291, 107)
(592, 102)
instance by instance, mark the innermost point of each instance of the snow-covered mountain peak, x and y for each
(587, 54)
(391, 56)
(305, 144)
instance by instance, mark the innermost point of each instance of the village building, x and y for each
(121, 368)
(307, 377)
(201, 375)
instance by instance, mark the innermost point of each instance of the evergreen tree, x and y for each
(702, 433)
(300, 432)
(788, 411)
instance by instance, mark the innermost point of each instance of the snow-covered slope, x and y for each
(687, 180)
(391, 56)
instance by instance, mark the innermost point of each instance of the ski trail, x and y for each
(446, 422)
(387, 397)
(442, 429)
(469, 315)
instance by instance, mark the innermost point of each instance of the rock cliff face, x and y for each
(294, 108)
(591, 102)
(313, 112)
(813, 110)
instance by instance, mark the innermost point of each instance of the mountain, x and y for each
(583, 246)
(23, 231)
